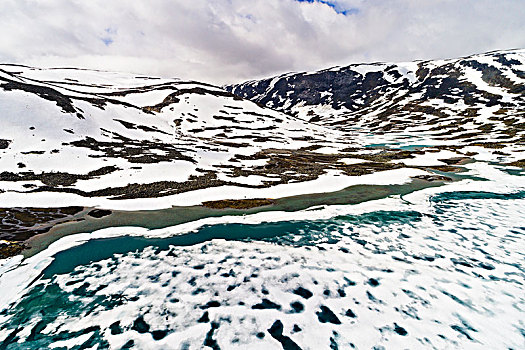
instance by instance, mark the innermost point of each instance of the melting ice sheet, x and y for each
(440, 268)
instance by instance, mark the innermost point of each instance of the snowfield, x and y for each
(437, 264)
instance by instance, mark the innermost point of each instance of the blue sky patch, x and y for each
(107, 39)
(335, 6)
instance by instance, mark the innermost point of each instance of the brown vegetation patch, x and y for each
(55, 178)
(238, 203)
(455, 160)
(519, 163)
(11, 249)
(495, 145)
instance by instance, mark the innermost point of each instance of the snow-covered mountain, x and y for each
(83, 137)
(467, 99)
(101, 134)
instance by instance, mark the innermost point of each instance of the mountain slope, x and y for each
(475, 98)
(90, 138)
(102, 134)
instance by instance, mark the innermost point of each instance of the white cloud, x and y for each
(232, 40)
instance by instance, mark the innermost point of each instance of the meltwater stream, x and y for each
(451, 276)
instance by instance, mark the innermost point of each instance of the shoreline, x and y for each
(330, 181)
(17, 273)
(164, 218)
(35, 239)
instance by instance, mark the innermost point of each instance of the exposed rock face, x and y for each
(441, 95)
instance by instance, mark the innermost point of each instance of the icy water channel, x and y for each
(439, 270)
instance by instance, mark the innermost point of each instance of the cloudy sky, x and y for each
(221, 41)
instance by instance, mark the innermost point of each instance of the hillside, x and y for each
(82, 138)
(470, 99)
(102, 134)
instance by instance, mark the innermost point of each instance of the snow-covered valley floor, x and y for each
(438, 268)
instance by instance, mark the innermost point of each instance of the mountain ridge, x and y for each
(93, 137)
(370, 95)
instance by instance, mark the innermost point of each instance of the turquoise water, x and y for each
(467, 195)
(362, 263)
(309, 232)
(395, 145)
(156, 219)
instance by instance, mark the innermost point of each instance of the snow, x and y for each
(363, 69)
(474, 76)
(422, 288)
(477, 230)
(68, 344)
(330, 182)
(148, 98)
(429, 159)
(350, 161)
